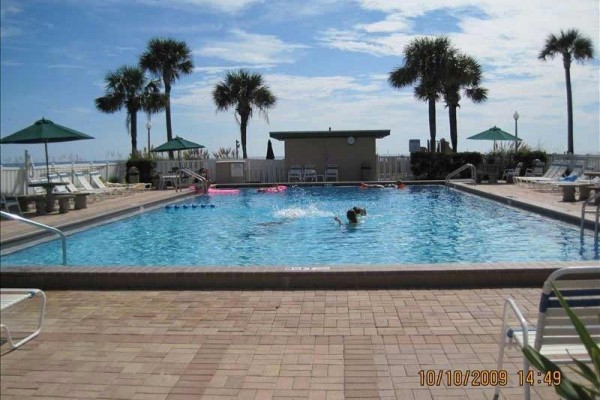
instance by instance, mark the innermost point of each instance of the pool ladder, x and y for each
(42, 226)
(592, 201)
(470, 167)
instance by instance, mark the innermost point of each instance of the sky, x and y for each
(326, 61)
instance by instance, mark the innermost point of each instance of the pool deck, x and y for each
(263, 344)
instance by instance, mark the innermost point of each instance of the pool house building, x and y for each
(352, 151)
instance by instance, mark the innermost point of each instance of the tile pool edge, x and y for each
(426, 276)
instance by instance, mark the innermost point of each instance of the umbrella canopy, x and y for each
(494, 134)
(177, 144)
(44, 131)
(270, 154)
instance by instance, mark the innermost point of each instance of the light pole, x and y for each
(516, 117)
(148, 126)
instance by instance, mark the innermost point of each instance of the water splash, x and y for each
(308, 211)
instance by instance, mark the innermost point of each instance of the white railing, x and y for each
(61, 235)
(465, 167)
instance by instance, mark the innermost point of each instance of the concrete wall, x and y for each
(322, 151)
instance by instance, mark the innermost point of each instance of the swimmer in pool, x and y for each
(360, 211)
(268, 189)
(370, 186)
(352, 215)
(398, 185)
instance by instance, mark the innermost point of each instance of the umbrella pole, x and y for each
(47, 167)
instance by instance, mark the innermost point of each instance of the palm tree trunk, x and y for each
(243, 128)
(432, 123)
(133, 132)
(168, 115)
(453, 127)
(569, 109)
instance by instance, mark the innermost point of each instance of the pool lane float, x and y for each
(212, 190)
(272, 189)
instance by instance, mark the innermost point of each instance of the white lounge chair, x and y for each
(331, 173)
(554, 335)
(510, 173)
(309, 173)
(115, 187)
(85, 185)
(58, 189)
(10, 298)
(553, 173)
(295, 173)
(537, 170)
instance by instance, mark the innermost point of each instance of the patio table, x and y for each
(568, 189)
(50, 196)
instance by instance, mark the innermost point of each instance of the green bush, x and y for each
(506, 157)
(144, 166)
(438, 165)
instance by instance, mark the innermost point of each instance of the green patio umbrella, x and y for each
(44, 131)
(177, 145)
(494, 134)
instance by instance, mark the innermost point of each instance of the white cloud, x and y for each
(227, 6)
(251, 48)
(218, 70)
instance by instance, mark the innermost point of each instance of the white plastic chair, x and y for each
(331, 172)
(309, 174)
(295, 173)
(554, 335)
(10, 298)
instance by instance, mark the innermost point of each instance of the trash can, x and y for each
(134, 175)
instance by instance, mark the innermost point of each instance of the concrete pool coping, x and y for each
(282, 277)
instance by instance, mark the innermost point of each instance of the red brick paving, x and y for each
(368, 344)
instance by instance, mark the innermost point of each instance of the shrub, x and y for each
(144, 166)
(438, 165)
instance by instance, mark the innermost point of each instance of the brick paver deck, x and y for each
(263, 345)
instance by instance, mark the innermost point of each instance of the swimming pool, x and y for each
(419, 225)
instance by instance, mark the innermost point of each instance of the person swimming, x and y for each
(370, 186)
(398, 185)
(352, 215)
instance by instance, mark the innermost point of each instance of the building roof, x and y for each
(378, 134)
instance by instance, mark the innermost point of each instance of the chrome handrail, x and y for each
(593, 200)
(42, 226)
(471, 167)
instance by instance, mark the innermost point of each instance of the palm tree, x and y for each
(246, 93)
(424, 65)
(463, 74)
(128, 87)
(572, 46)
(168, 59)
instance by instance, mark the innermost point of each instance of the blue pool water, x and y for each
(422, 224)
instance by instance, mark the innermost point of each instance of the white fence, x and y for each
(13, 180)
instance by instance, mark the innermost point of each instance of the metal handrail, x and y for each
(471, 167)
(42, 226)
(594, 200)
